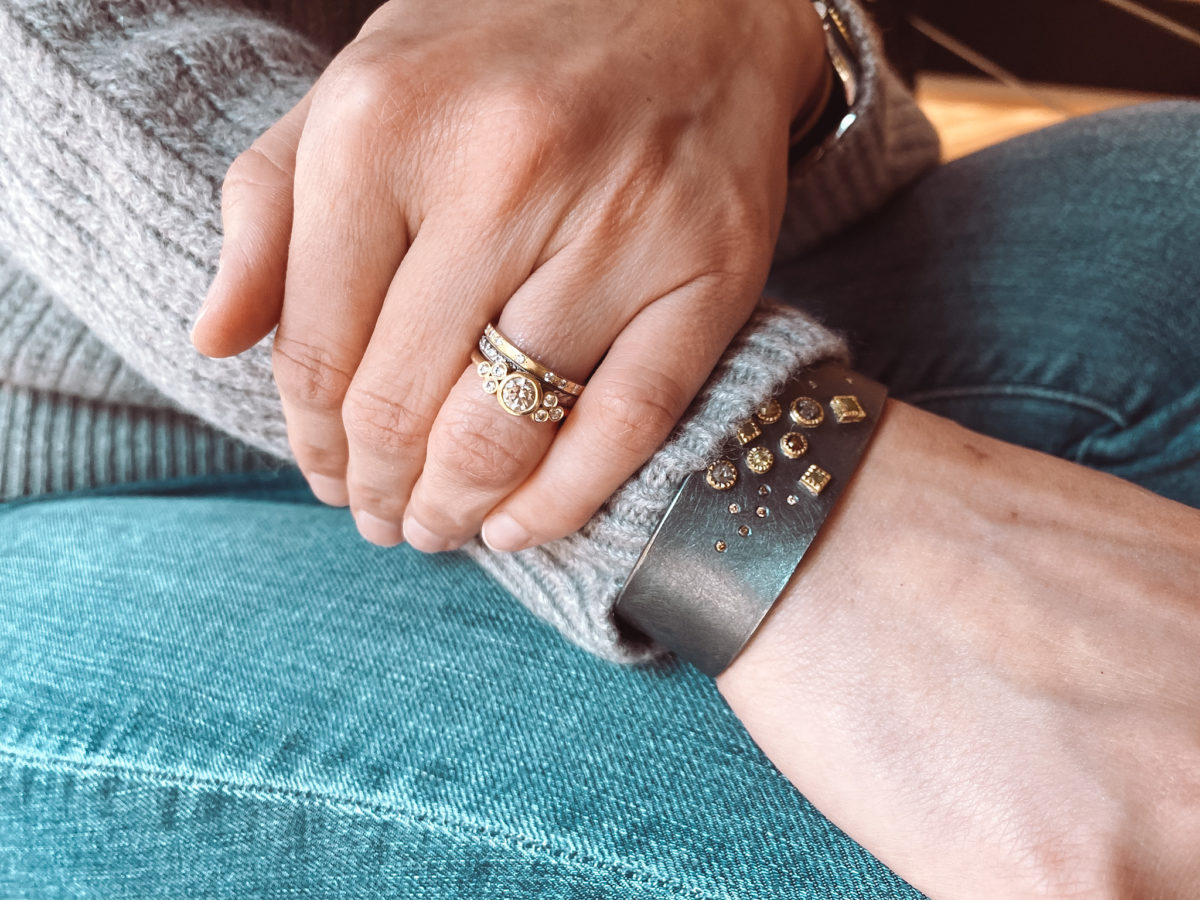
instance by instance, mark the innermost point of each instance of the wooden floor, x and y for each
(972, 113)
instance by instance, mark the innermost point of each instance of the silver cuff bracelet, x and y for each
(736, 531)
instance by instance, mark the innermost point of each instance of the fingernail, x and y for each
(203, 312)
(377, 530)
(420, 537)
(328, 489)
(503, 532)
(207, 304)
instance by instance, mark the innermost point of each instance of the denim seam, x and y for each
(1019, 390)
(382, 812)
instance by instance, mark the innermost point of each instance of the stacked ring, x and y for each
(519, 393)
(500, 346)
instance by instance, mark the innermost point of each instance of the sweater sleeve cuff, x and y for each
(574, 582)
(889, 143)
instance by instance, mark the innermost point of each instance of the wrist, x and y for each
(956, 672)
(921, 487)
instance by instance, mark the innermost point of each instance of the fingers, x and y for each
(244, 300)
(347, 240)
(630, 406)
(478, 452)
(451, 282)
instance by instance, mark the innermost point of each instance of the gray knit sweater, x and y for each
(118, 120)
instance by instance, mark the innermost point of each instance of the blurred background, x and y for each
(984, 72)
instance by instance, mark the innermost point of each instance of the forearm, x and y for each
(983, 647)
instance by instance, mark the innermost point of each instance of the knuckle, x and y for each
(383, 424)
(478, 454)
(308, 374)
(255, 171)
(375, 22)
(364, 90)
(381, 501)
(635, 418)
(526, 123)
(738, 241)
(1069, 861)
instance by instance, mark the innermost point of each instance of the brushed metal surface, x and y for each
(705, 604)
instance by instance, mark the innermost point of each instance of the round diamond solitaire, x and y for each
(519, 394)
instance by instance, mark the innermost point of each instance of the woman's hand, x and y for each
(986, 672)
(604, 178)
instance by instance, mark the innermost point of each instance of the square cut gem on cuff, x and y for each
(748, 431)
(815, 479)
(846, 408)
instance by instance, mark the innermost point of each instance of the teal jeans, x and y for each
(216, 689)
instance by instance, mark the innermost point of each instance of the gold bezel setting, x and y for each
(721, 475)
(769, 412)
(793, 445)
(807, 412)
(815, 479)
(519, 394)
(759, 460)
(846, 408)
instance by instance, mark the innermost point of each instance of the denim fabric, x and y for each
(215, 689)
(204, 695)
(1045, 291)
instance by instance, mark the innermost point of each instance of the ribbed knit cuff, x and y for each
(573, 583)
(51, 443)
(45, 348)
(888, 145)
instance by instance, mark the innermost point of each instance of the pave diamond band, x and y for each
(505, 349)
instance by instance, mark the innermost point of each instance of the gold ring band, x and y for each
(494, 340)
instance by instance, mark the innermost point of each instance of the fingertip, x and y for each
(234, 316)
(329, 490)
(504, 534)
(378, 531)
(424, 539)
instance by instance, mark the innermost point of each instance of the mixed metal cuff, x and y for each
(736, 531)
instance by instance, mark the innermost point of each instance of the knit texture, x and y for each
(74, 415)
(120, 119)
(889, 144)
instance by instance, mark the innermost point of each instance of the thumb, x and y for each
(245, 298)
